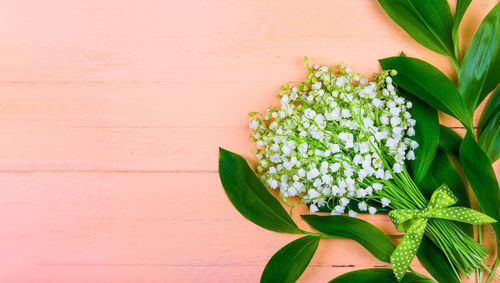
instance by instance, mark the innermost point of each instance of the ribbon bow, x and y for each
(413, 222)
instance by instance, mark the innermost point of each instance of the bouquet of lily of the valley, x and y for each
(343, 144)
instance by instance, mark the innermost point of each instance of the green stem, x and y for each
(493, 269)
(456, 64)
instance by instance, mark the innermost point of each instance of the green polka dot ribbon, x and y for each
(413, 222)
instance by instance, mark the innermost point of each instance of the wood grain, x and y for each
(112, 112)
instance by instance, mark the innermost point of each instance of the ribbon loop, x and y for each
(414, 221)
(442, 197)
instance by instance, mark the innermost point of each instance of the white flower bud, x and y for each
(385, 202)
(313, 208)
(362, 206)
(372, 210)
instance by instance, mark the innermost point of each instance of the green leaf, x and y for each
(290, 261)
(430, 23)
(435, 262)
(429, 84)
(250, 197)
(480, 71)
(482, 179)
(491, 109)
(428, 185)
(449, 140)
(444, 172)
(489, 140)
(489, 127)
(426, 134)
(377, 275)
(462, 6)
(369, 236)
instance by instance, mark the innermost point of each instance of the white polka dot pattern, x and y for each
(413, 222)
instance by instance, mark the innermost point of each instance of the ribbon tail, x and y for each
(462, 214)
(404, 253)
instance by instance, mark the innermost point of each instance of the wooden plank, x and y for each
(126, 149)
(159, 273)
(145, 224)
(77, 46)
(141, 105)
(142, 218)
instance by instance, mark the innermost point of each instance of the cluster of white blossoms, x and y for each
(336, 138)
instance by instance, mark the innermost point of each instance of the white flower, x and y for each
(399, 100)
(343, 136)
(413, 144)
(335, 190)
(286, 150)
(301, 172)
(362, 174)
(395, 111)
(397, 168)
(340, 81)
(333, 115)
(254, 124)
(273, 183)
(349, 143)
(378, 103)
(388, 175)
(316, 85)
(357, 159)
(410, 132)
(385, 202)
(313, 173)
(334, 148)
(377, 187)
(391, 143)
(313, 208)
(380, 135)
(317, 183)
(410, 155)
(346, 113)
(395, 121)
(320, 121)
(334, 167)
(364, 147)
(313, 193)
(284, 99)
(360, 193)
(344, 201)
(309, 113)
(362, 206)
(299, 186)
(372, 210)
(303, 148)
(339, 209)
(367, 122)
(352, 213)
(384, 119)
(369, 191)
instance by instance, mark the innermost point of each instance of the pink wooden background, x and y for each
(111, 114)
